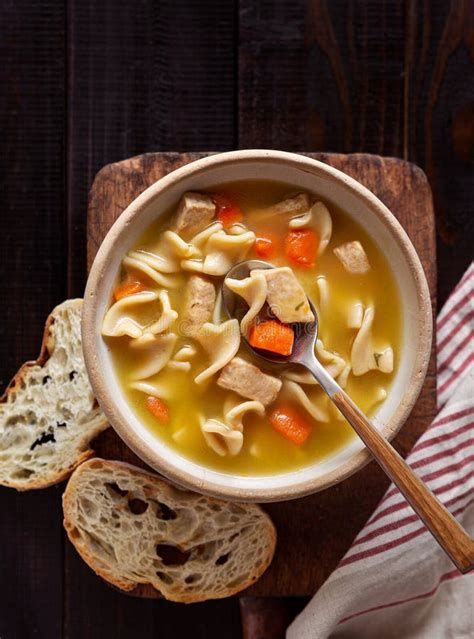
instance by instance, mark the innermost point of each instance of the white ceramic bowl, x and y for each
(305, 174)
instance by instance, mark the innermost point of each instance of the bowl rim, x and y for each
(104, 392)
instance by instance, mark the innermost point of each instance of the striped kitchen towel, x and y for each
(395, 581)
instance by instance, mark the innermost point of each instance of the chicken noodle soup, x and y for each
(183, 365)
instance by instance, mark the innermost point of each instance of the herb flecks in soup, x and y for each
(182, 364)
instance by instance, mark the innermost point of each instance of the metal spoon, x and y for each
(445, 529)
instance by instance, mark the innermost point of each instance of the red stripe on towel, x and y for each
(457, 373)
(453, 310)
(456, 328)
(447, 452)
(467, 277)
(453, 417)
(445, 363)
(437, 491)
(443, 438)
(452, 574)
(433, 475)
(394, 543)
(394, 525)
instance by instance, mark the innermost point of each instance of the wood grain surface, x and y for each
(314, 532)
(86, 83)
(32, 281)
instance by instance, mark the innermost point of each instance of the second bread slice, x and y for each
(132, 528)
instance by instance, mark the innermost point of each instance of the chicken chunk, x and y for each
(195, 212)
(286, 296)
(199, 302)
(292, 205)
(249, 381)
(353, 257)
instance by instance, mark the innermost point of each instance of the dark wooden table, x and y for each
(84, 83)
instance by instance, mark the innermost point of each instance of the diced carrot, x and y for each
(128, 288)
(158, 409)
(301, 247)
(290, 423)
(228, 211)
(266, 244)
(272, 335)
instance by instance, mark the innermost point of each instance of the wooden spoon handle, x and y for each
(445, 529)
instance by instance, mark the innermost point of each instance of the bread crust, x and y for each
(47, 348)
(268, 529)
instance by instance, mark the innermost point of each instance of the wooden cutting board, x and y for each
(313, 532)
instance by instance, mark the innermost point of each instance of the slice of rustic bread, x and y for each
(133, 528)
(48, 414)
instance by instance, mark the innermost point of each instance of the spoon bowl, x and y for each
(235, 307)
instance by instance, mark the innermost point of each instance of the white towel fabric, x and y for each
(395, 581)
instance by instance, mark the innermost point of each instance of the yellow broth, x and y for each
(265, 451)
